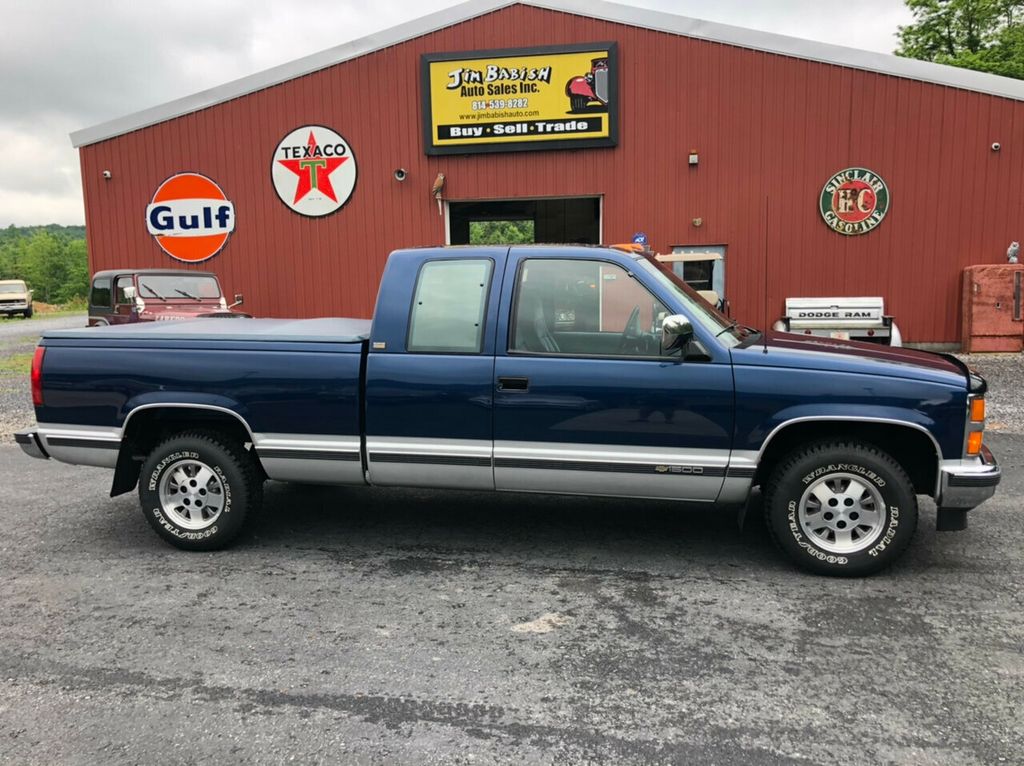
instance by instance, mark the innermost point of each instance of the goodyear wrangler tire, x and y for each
(841, 508)
(197, 489)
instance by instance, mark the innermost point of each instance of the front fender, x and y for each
(863, 414)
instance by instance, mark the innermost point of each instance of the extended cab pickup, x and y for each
(579, 370)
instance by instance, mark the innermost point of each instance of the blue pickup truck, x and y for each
(578, 370)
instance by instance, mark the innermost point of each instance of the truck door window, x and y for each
(100, 294)
(119, 286)
(590, 308)
(448, 308)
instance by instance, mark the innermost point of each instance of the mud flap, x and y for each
(950, 520)
(126, 472)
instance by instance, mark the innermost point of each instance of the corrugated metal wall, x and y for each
(770, 131)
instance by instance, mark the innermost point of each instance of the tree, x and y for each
(51, 259)
(985, 35)
(501, 232)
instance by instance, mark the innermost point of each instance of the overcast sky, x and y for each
(69, 64)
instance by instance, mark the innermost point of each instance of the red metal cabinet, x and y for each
(992, 308)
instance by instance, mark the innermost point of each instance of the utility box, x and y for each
(991, 307)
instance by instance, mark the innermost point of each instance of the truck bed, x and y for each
(294, 383)
(289, 330)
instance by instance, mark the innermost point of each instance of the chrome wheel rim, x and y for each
(842, 513)
(191, 494)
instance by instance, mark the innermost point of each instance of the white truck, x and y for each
(861, 319)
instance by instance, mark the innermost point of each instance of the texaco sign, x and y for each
(314, 170)
(854, 201)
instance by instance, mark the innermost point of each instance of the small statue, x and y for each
(1012, 252)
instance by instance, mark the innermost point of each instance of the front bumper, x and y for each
(13, 308)
(966, 484)
(30, 444)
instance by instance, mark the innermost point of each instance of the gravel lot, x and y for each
(1005, 400)
(399, 626)
(20, 336)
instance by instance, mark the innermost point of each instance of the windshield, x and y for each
(175, 287)
(7, 288)
(699, 310)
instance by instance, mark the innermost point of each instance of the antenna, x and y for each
(764, 330)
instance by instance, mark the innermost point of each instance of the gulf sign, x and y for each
(190, 217)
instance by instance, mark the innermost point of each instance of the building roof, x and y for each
(660, 21)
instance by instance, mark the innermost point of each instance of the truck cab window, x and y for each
(448, 307)
(579, 307)
(100, 294)
(120, 285)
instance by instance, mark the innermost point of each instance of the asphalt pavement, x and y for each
(392, 626)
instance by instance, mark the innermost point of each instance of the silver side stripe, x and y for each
(405, 450)
(80, 433)
(81, 445)
(302, 447)
(316, 458)
(556, 456)
(595, 457)
(415, 446)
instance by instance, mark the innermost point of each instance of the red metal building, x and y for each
(770, 119)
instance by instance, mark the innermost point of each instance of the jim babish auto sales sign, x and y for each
(524, 98)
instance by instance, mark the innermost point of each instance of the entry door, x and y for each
(429, 391)
(586, 403)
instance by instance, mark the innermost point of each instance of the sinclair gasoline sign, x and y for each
(854, 201)
(527, 98)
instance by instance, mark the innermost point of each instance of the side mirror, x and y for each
(239, 300)
(676, 332)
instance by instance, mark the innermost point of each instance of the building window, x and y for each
(100, 295)
(702, 267)
(580, 307)
(449, 305)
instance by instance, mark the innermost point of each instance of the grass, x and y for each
(16, 364)
(48, 311)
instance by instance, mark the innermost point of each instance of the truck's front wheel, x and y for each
(197, 489)
(841, 508)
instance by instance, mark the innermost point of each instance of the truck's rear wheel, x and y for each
(197, 489)
(841, 508)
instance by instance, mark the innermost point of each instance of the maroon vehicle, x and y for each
(147, 295)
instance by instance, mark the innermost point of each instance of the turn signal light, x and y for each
(37, 376)
(974, 442)
(977, 410)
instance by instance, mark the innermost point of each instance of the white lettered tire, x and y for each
(841, 508)
(197, 489)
